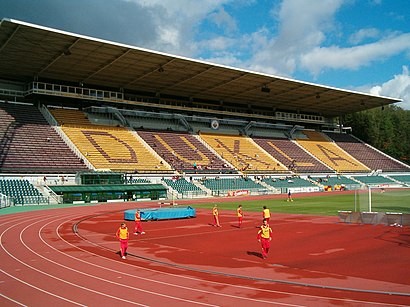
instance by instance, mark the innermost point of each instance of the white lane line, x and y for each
(10, 299)
(218, 283)
(102, 279)
(26, 283)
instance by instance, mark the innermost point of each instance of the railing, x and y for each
(50, 119)
(5, 201)
(13, 93)
(300, 117)
(30, 200)
(52, 195)
(110, 96)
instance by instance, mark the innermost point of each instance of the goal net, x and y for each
(382, 199)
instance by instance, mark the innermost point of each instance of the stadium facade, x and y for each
(75, 110)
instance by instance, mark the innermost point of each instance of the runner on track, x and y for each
(239, 213)
(138, 225)
(216, 216)
(123, 235)
(264, 237)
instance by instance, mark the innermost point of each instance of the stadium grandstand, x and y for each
(88, 120)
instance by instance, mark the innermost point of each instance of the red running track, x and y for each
(67, 257)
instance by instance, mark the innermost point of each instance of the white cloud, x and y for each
(224, 21)
(177, 21)
(226, 59)
(296, 38)
(376, 2)
(183, 8)
(169, 36)
(218, 43)
(398, 87)
(301, 28)
(334, 57)
(363, 34)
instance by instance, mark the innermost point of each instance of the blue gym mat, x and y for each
(161, 213)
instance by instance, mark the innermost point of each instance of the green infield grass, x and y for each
(326, 204)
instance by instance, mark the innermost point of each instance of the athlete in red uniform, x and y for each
(216, 216)
(138, 226)
(123, 235)
(239, 213)
(264, 237)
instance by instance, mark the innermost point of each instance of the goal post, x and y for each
(382, 199)
(361, 199)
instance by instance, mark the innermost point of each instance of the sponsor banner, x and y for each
(384, 185)
(303, 189)
(238, 192)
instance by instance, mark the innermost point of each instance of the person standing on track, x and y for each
(216, 216)
(138, 225)
(264, 237)
(239, 213)
(266, 214)
(123, 235)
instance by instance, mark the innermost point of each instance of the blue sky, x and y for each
(361, 45)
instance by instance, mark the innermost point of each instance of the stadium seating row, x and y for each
(31, 145)
(22, 192)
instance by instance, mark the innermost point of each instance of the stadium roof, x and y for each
(30, 52)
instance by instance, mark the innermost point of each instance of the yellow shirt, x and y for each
(239, 212)
(122, 233)
(137, 216)
(266, 213)
(215, 211)
(265, 231)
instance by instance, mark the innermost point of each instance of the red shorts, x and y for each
(138, 226)
(123, 246)
(265, 243)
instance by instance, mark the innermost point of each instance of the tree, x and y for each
(387, 129)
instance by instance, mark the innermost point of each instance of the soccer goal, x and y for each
(382, 199)
(379, 205)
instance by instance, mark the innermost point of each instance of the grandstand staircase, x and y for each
(171, 191)
(202, 187)
(198, 137)
(54, 199)
(53, 123)
(328, 152)
(119, 116)
(313, 156)
(398, 182)
(267, 153)
(268, 187)
(184, 122)
(149, 148)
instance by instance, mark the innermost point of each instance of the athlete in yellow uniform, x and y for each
(266, 214)
(216, 216)
(239, 213)
(123, 235)
(264, 237)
